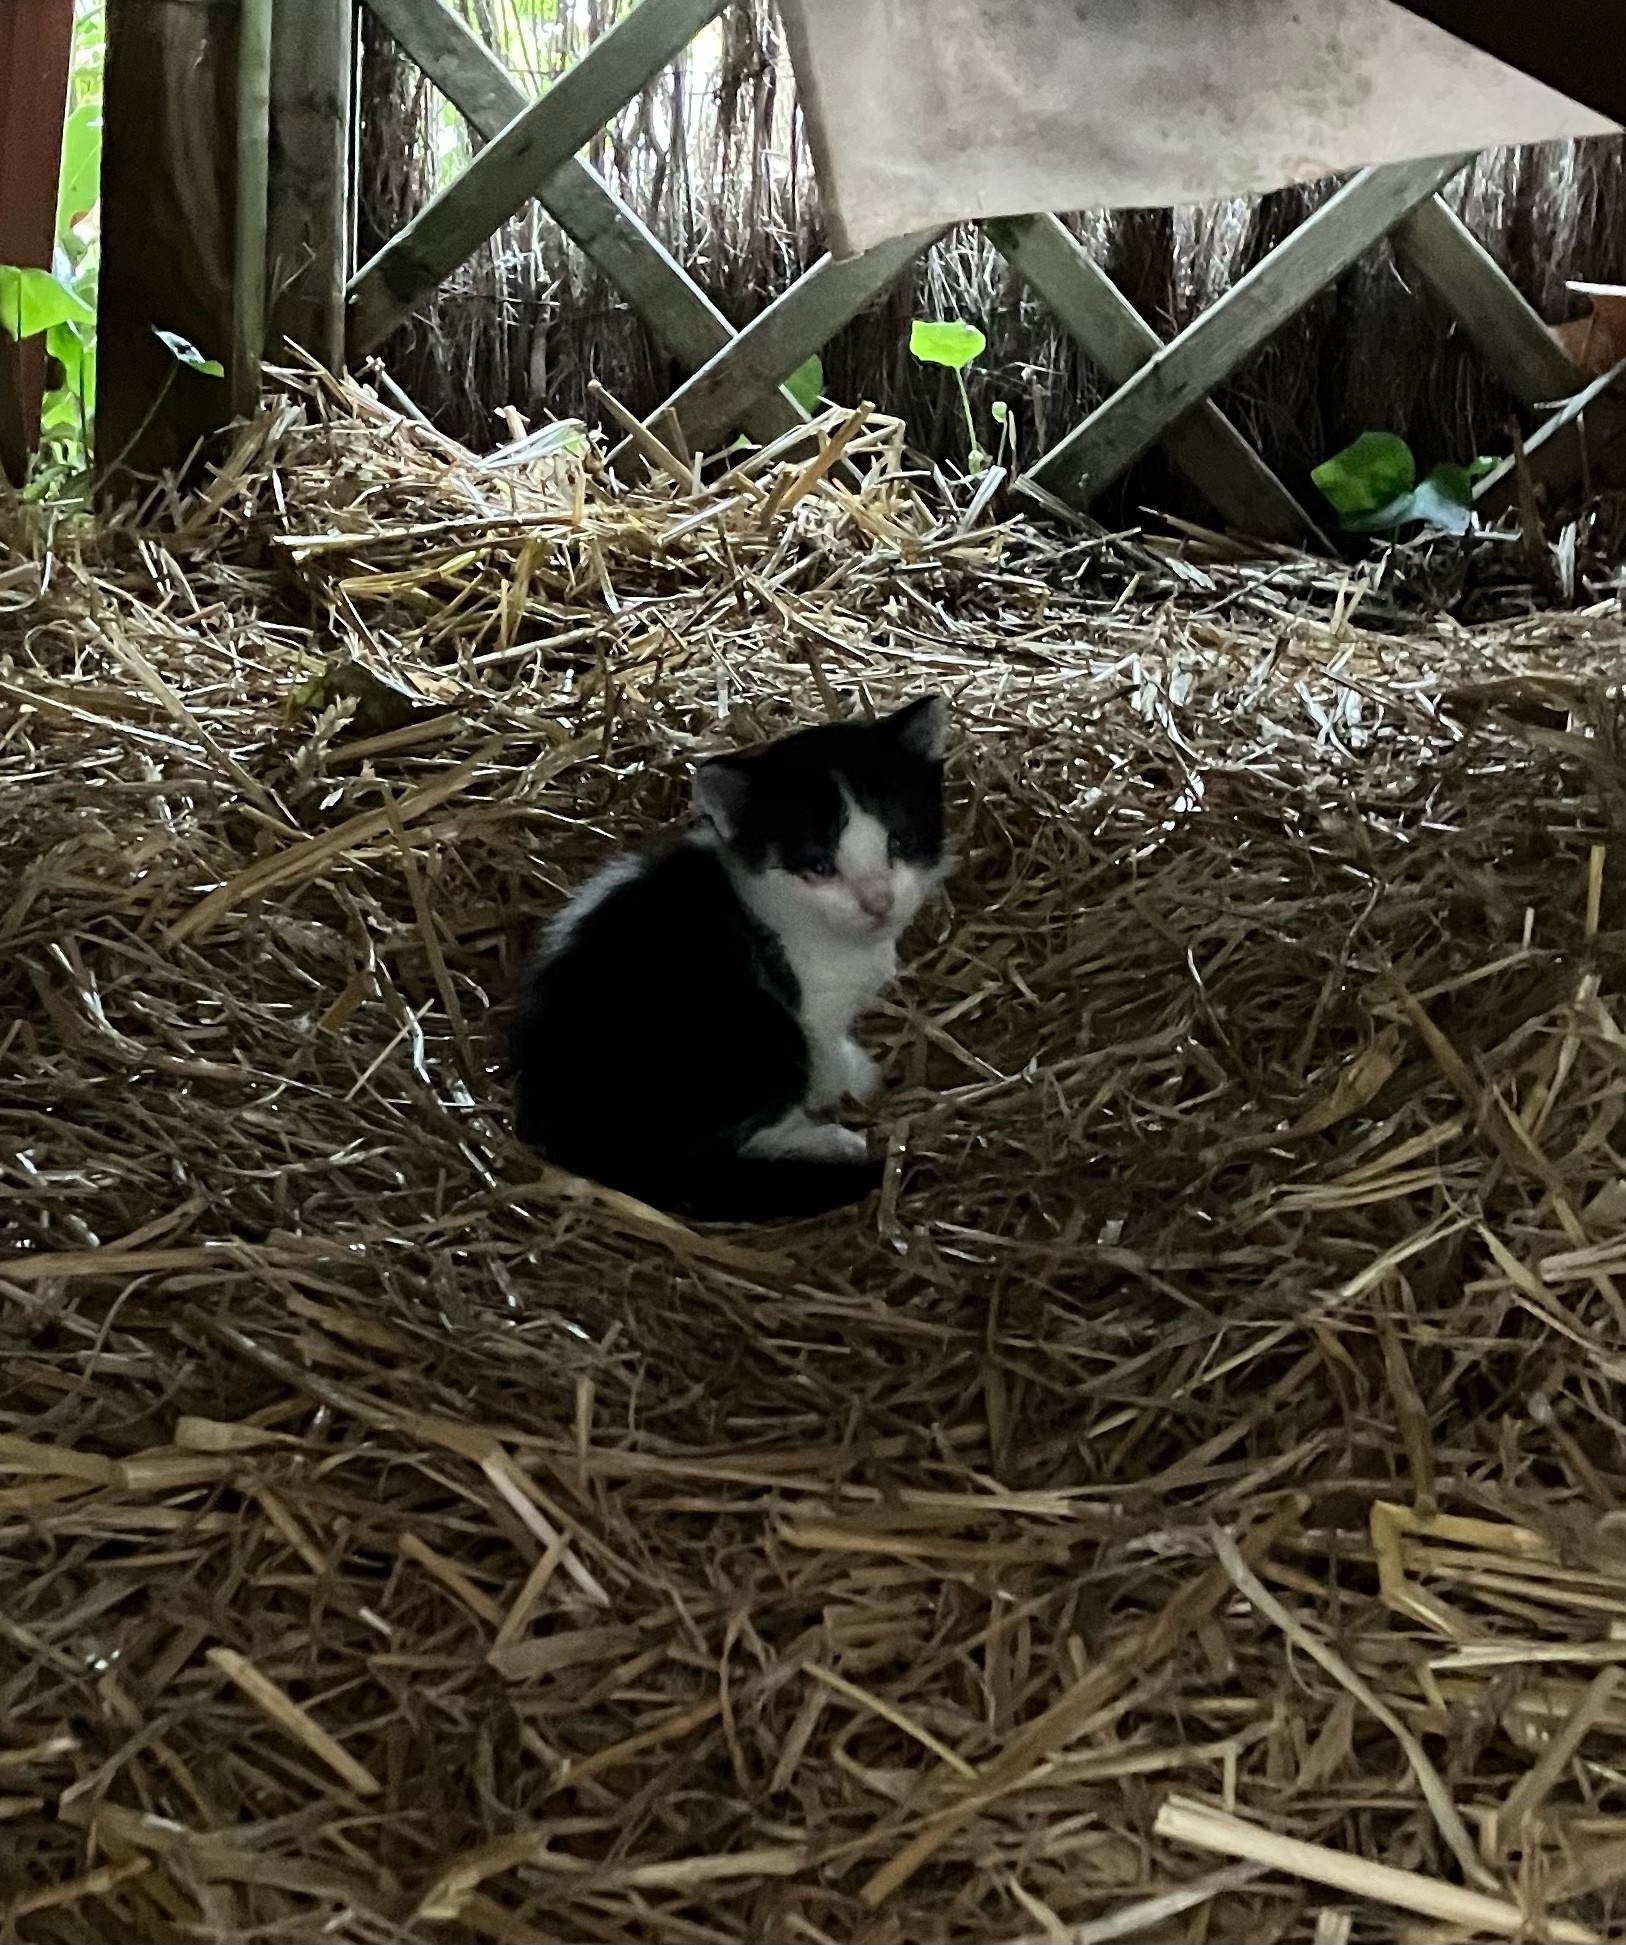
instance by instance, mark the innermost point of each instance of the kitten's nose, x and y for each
(875, 900)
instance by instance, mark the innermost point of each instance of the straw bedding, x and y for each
(712, 156)
(1188, 1505)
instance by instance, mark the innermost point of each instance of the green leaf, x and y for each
(79, 186)
(62, 343)
(32, 301)
(189, 354)
(806, 384)
(947, 342)
(999, 411)
(1371, 474)
(59, 412)
(1443, 499)
(1454, 484)
(1478, 468)
(73, 346)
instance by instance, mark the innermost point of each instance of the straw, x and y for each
(394, 1525)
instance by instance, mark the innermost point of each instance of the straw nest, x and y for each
(1188, 1504)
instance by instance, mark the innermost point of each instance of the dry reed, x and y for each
(1210, 1443)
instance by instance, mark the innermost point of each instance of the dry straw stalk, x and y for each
(403, 1540)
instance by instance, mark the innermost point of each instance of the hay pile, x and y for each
(1189, 1505)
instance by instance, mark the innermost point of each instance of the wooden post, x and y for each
(36, 46)
(308, 230)
(253, 147)
(168, 194)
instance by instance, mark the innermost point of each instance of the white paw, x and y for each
(860, 1076)
(840, 1144)
(807, 1140)
(840, 1069)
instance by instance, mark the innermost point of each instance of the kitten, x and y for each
(686, 1024)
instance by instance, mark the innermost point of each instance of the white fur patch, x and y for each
(841, 953)
(861, 856)
(795, 1136)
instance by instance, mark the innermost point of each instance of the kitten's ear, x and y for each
(720, 790)
(921, 727)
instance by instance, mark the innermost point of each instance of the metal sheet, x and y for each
(931, 112)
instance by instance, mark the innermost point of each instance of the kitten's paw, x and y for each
(842, 1069)
(860, 1077)
(798, 1136)
(826, 1141)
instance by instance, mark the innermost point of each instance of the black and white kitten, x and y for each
(686, 1023)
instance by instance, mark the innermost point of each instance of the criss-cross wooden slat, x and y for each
(1163, 392)
(1451, 261)
(1186, 370)
(791, 330)
(510, 170)
(1206, 447)
(679, 315)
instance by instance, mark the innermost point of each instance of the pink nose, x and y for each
(875, 901)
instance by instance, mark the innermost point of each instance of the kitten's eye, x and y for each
(819, 868)
(894, 849)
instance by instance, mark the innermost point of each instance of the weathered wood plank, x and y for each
(512, 168)
(168, 191)
(1575, 46)
(1447, 257)
(1206, 447)
(785, 335)
(36, 41)
(1520, 349)
(1187, 369)
(679, 315)
(253, 141)
(1586, 435)
(307, 246)
(454, 57)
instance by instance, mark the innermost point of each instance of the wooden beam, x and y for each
(1468, 281)
(252, 207)
(307, 243)
(1575, 46)
(168, 190)
(1187, 369)
(793, 327)
(456, 60)
(511, 169)
(1585, 436)
(677, 313)
(1519, 348)
(1206, 447)
(36, 47)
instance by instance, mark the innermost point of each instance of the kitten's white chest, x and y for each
(838, 981)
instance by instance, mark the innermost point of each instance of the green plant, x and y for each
(806, 384)
(1002, 416)
(954, 345)
(64, 309)
(1372, 486)
(61, 302)
(184, 352)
